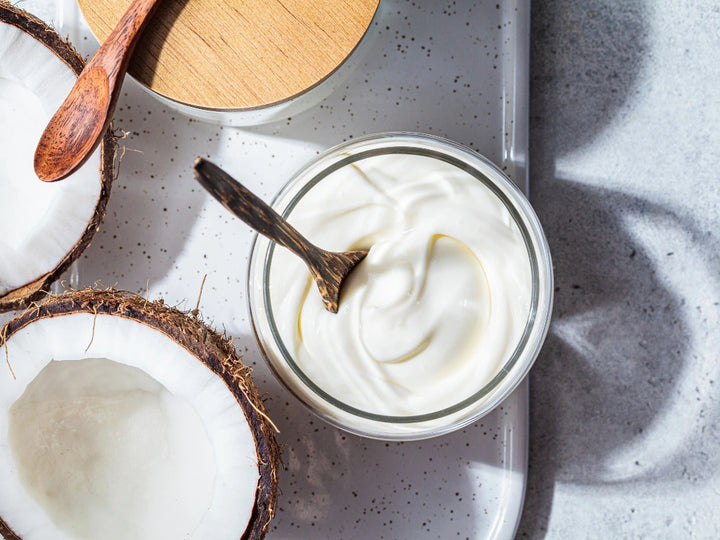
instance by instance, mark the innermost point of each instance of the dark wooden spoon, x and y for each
(328, 268)
(77, 127)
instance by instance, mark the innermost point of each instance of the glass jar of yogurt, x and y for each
(444, 317)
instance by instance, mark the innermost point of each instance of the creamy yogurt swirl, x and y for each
(437, 307)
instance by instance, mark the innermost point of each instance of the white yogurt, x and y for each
(438, 306)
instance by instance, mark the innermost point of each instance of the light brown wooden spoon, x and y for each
(77, 127)
(328, 268)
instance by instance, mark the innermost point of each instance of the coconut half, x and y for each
(43, 227)
(126, 419)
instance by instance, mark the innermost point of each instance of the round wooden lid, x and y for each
(238, 54)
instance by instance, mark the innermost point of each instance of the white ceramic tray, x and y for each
(455, 69)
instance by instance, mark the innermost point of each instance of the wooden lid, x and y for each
(238, 54)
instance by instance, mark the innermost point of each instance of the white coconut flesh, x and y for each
(129, 438)
(40, 222)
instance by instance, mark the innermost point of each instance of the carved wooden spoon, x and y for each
(328, 268)
(78, 125)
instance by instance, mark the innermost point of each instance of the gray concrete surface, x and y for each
(625, 175)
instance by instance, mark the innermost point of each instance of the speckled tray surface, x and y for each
(455, 69)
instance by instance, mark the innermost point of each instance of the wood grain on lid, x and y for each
(237, 54)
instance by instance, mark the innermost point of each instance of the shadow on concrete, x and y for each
(618, 346)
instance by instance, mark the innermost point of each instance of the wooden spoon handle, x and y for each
(114, 54)
(254, 211)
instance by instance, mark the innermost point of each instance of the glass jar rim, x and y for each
(482, 170)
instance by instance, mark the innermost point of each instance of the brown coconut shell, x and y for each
(21, 297)
(208, 346)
